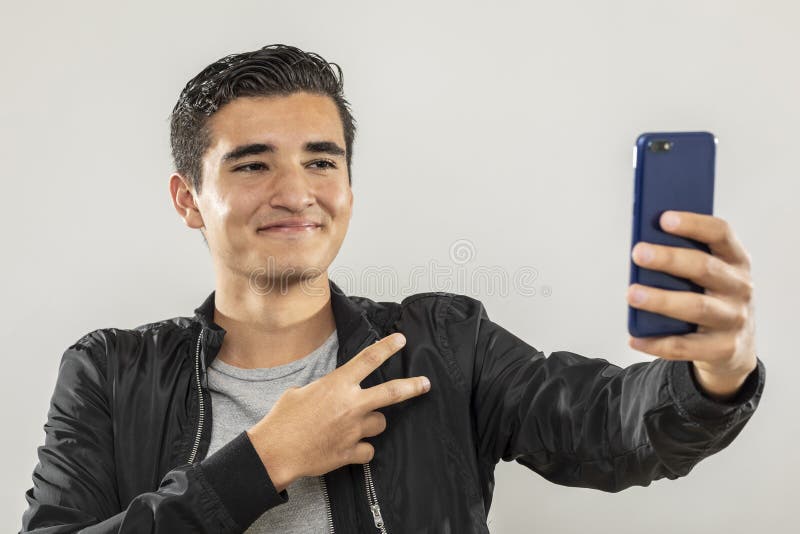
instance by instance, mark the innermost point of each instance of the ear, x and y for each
(184, 201)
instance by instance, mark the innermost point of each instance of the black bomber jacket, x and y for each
(129, 426)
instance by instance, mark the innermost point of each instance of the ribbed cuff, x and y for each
(692, 398)
(241, 481)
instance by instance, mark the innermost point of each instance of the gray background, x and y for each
(508, 126)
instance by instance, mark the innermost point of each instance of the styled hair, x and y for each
(272, 70)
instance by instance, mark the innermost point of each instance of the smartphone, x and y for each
(672, 171)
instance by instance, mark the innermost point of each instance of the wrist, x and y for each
(719, 387)
(239, 480)
(279, 470)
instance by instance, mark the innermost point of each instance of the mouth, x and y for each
(292, 230)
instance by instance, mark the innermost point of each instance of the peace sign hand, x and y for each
(317, 428)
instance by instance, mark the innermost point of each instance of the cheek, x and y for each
(223, 209)
(336, 199)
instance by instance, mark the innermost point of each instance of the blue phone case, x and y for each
(674, 171)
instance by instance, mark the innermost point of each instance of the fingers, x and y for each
(374, 424)
(394, 391)
(369, 359)
(714, 231)
(700, 267)
(711, 347)
(363, 452)
(700, 308)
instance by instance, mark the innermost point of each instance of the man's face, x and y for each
(299, 172)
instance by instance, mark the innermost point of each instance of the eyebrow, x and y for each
(317, 147)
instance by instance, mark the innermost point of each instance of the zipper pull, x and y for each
(376, 515)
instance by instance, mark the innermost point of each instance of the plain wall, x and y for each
(509, 126)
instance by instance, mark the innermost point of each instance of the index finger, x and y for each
(369, 359)
(709, 229)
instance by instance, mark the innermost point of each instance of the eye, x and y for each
(329, 163)
(246, 167)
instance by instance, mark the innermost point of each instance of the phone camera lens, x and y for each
(659, 146)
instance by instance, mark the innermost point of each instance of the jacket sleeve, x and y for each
(74, 483)
(585, 422)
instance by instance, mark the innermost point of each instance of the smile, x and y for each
(290, 230)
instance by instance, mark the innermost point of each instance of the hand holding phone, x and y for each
(707, 317)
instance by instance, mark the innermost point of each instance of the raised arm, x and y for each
(585, 422)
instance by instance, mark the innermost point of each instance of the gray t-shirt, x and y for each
(242, 397)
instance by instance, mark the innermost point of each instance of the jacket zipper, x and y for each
(372, 497)
(327, 503)
(201, 404)
(372, 500)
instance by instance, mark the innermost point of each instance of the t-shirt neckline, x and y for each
(271, 373)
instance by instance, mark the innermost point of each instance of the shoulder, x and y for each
(450, 306)
(457, 301)
(442, 310)
(114, 346)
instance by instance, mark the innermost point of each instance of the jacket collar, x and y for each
(352, 325)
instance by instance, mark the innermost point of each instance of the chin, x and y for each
(271, 271)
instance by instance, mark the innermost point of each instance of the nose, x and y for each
(291, 190)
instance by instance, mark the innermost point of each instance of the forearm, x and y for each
(240, 480)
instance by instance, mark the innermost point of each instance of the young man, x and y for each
(284, 405)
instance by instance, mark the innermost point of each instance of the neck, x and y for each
(273, 326)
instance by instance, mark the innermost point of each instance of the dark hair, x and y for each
(273, 70)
